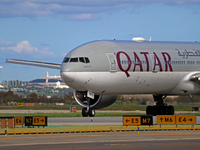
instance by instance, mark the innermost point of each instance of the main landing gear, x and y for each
(161, 108)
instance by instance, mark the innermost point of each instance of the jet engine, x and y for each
(89, 105)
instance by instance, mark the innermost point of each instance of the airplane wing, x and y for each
(34, 63)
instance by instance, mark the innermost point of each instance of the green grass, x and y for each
(40, 107)
(131, 107)
(78, 114)
(114, 107)
(125, 107)
(183, 108)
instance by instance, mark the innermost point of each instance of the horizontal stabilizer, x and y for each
(34, 63)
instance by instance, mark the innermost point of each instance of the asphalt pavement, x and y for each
(143, 140)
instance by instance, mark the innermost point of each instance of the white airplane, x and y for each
(98, 71)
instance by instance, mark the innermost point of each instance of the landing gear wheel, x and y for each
(149, 110)
(171, 110)
(84, 112)
(166, 108)
(160, 110)
(91, 112)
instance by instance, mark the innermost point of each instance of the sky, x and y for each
(46, 30)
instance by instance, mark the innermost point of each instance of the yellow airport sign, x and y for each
(185, 119)
(39, 121)
(35, 121)
(166, 119)
(131, 120)
(19, 121)
(137, 120)
(20, 104)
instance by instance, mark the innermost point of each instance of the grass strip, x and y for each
(78, 114)
(125, 107)
(75, 114)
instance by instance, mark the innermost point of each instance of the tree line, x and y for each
(9, 96)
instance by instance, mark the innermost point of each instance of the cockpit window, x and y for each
(87, 60)
(81, 59)
(74, 59)
(66, 59)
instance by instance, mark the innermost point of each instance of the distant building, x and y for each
(13, 83)
(48, 81)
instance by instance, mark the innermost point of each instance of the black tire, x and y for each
(155, 110)
(149, 110)
(91, 112)
(167, 110)
(84, 112)
(162, 110)
(171, 110)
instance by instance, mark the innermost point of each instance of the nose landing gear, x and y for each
(161, 108)
(88, 111)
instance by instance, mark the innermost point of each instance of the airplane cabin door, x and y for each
(112, 62)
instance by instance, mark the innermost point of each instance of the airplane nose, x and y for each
(67, 73)
(68, 77)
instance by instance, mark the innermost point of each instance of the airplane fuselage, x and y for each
(99, 71)
(127, 67)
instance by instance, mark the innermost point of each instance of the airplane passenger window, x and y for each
(74, 60)
(66, 59)
(81, 59)
(87, 60)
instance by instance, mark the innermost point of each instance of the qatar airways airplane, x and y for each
(98, 71)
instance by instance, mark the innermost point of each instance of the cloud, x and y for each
(26, 48)
(82, 17)
(74, 9)
(5, 43)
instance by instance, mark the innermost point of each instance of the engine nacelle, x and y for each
(99, 101)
